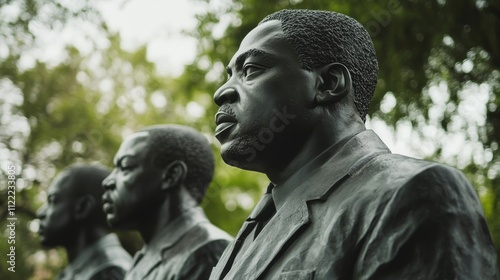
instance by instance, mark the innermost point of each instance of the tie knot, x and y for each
(264, 209)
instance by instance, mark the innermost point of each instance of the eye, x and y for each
(125, 165)
(229, 73)
(251, 69)
(50, 200)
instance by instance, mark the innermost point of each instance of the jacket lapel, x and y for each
(259, 254)
(226, 260)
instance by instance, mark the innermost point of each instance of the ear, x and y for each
(84, 207)
(174, 174)
(334, 85)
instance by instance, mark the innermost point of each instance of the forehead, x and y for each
(60, 185)
(267, 37)
(135, 144)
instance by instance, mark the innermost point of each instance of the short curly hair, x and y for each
(323, 37)
(175, 142)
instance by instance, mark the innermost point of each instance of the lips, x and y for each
(107, 207)
(223, 117)
(107, 204)
(224, 120)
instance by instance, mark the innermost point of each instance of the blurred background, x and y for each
(78, 76)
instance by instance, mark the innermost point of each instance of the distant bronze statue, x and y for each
(72, 218)
(161, 175)
(340, 205)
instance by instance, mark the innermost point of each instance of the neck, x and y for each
(84, 238)
(324, 135)
(173, 206)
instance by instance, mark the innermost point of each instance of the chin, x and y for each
(241, 156)
(113, 222)
(120, 224)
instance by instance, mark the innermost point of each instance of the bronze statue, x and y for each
(340, 205)
(161, 175)
(72, 218)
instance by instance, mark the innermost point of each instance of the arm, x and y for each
(433, 227)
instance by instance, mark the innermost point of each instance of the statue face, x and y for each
(266, 104)
(57, 223)
(133, 190)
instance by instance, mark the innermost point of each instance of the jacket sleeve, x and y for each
(433, 227)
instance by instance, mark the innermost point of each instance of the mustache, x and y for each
(226, 109)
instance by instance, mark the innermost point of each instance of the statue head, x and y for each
(290, 73)
(322, 37)
(73, 204)
(152, 165)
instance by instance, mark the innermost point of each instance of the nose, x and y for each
(108, 183)
(225, 94)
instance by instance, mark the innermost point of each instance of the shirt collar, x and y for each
(170, 234)
(87, 254)
(283, 189)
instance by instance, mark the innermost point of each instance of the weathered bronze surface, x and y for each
(345, 207)
(72, 218)
(161, 175)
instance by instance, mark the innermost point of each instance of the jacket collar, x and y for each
(283, 189)
(294, 216)
(153, 253)
(85, 258)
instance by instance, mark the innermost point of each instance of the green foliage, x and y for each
(78, 110)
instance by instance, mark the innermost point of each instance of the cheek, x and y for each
(128, 194)
(257, 110)
(58, 217)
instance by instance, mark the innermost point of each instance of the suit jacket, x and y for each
(105, 259)
(187, 248)
(370, 214)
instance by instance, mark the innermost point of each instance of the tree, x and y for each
(436, 58)
(21, 22)
(77, 109)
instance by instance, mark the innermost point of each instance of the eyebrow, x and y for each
(251, 52)
(117, 161)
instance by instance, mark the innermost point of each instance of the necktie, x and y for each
(263, 211)
(260, 215)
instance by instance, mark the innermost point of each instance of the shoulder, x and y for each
(394, 187)
(110, 260)
(205, 240)
(395, 174)
(201, 261)
(205, 233)
(110, 273)
(433, 215)
(194, 256)
(114, 256)
(439, 184)
(415, 192)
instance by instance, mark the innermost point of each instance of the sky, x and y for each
(160, 24)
